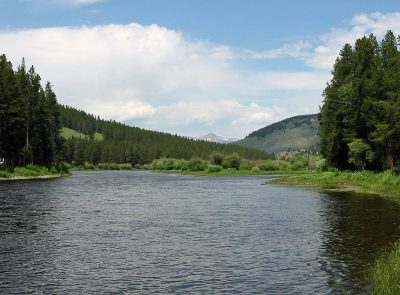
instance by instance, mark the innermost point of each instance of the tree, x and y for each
(232, 161)
(362, 101)
(360, 153)
(216, 158)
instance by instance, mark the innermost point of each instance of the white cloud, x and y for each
(124, 110)
(154, 77)
(295, 50)
(74, 2)
(322, 52)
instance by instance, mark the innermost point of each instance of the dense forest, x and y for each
(360, 115)
(29, 117)
(126, 144)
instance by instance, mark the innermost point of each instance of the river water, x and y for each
(129, 232)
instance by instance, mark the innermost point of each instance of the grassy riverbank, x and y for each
(233, 172)
(386, 273)
(385, 184)
(33, 172)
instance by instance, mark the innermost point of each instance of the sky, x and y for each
(189, 67)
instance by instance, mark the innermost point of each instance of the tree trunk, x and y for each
(390, 160)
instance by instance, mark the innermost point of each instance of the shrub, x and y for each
(196, 164)
(232, 161)
(214, 168)
(216, 158)
(108, 166)
(88, 166)
(269, 165)
(4, 174)
(321, 165)
(255, 170)
(125, 166)
(138, 166)
(360, 153)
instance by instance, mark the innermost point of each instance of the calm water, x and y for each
(140, 232)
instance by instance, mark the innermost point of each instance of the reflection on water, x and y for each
(141, 232)
(356, 229)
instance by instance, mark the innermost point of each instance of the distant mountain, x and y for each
(295, 133)
(216, 138)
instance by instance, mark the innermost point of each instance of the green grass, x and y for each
(386, 273)
(98, 136)
(384, 183)
(32, 171)
(69, 133)
(232, 172)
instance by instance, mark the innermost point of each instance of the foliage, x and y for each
(196, 164)
(216, 158)
(386, 272)
(29, 117)
(360, 154)
(232, 161)
(362, 101)
(125, 144)
(214, 168)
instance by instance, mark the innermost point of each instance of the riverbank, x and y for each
(385, 272)
(32, 172)
(385, 184)
(233, 172)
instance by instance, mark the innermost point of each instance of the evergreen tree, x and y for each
(362, 102)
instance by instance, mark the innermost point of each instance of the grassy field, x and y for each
(69, 133)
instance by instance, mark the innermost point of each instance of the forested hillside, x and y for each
(295, 133)
(29, 117)
(125, 144)
(360, 116)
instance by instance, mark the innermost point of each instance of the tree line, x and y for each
(126, 144)
(29, 117)
(31, 120)
(360, 115)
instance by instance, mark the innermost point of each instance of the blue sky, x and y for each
(189, 67)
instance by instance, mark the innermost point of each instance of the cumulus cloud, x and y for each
(151, 75)
(322, 52)
(156, 78)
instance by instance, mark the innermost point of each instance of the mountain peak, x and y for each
(216, 138)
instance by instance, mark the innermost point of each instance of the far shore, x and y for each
(16, 178)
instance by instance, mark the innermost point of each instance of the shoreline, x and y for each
(382, 184)
(39, 177)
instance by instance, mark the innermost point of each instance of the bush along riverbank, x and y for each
(217, 164)
(34, 172)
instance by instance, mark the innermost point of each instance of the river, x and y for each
(132, 232)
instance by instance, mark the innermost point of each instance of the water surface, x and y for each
(141, 232)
